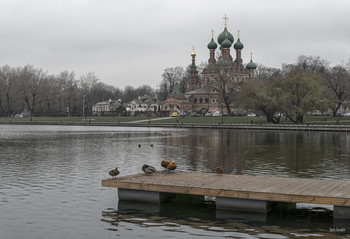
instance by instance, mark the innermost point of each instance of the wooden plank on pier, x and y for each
(281, 189)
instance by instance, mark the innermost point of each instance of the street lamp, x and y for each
(222, 114)
(84, 106)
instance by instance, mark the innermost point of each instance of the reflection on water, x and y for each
(186, 219)
(51, 180)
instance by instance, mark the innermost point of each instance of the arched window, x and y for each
(195, 100)
(206, 100)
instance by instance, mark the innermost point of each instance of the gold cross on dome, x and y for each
(238, 33)
(226, 18)
(212, 33)
(193, 52)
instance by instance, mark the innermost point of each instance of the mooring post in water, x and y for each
(341, 212)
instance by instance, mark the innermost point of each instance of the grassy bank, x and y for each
(328, 120)
(318, 120)
(73, 119)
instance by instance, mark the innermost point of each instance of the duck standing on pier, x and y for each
(220, 170)
(171, 166)
(164, 163)
(114, 173)
(149, 170)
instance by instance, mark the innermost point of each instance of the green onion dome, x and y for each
(251, 65)
(223, 34)
(226, 43)
(238, 45)
(212, 45)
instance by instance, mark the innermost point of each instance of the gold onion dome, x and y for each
(193, 54)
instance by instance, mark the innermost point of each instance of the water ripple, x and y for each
(51, 178)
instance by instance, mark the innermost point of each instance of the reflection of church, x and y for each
(202, 93)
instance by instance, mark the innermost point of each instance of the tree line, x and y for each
(64, 94)
(308, 85)
(293, 90)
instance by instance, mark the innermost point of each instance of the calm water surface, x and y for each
(51, 181)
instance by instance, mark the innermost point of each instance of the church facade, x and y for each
(205, 93)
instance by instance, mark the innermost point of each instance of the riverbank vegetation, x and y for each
(309, 86)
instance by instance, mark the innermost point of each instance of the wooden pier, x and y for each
(242, 187)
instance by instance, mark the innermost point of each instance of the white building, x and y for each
(108, 108)
(143, 104)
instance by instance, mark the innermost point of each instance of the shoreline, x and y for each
(281, 127)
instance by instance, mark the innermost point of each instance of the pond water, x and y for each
(51, 181)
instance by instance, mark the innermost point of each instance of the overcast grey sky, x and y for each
(132, 42)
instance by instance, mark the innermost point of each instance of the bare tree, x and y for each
(312, 63)
(30, 80)
(67, 86)
(86, 83)
(338, 84)
(170, 76)
(7, 75)
(263, 72)
(224, 84)
(145, 90)
(129, 94)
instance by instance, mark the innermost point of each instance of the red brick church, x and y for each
(202, 93)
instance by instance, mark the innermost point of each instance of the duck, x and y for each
(151, 145)
(114, 173)
(164, 163)
(149, 170)
(171, 166)
(139, 145)
(220, 170)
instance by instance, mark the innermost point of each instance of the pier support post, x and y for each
(144, 196)
(248, 205)
(341, 212)
(341, 219)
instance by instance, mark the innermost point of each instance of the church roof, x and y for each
(223, 35)
(145, 100)
(251, 65)
(212, 45)
(238, 45)
(110, 102)
(203, 90)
